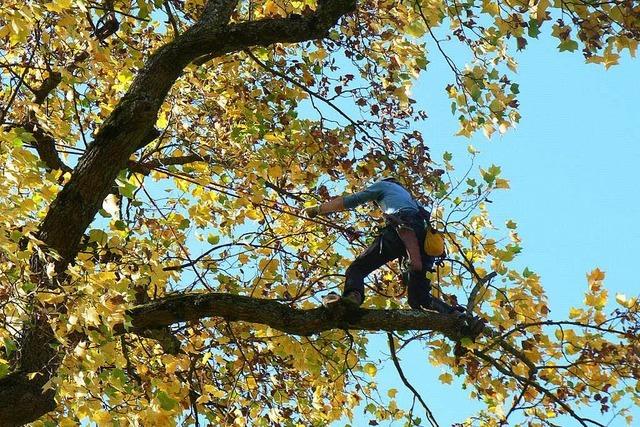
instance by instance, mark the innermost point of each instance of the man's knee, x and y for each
(356, 270)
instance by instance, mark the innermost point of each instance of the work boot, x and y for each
(330, 298)
(444, 308)
(351, 297)
(419, 299)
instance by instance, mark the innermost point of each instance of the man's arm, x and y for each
(345, 202)
(333, 205)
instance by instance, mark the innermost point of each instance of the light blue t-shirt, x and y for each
(391, 197)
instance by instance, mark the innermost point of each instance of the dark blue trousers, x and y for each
(386, 247)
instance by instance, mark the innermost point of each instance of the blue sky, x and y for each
(573, 165)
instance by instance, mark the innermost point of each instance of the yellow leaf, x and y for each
(370, 369)
(445, 378)
(270, 8)
(275, 171)
(596, 275)
(575, 312)
(541, 9)
(32, 375)
(272, 138)
(50, 297)
(162, 121)
(251, 383)
(502, 183)
(91, 316)
(490, 7)
(253, 214)
(102, 417)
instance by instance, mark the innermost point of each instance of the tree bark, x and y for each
(186, 307)
(22, 398)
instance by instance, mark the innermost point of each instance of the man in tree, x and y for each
(402, 237)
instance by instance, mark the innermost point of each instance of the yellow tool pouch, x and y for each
(434, 243)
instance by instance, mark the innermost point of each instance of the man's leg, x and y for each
(418, 286)
(386, 247)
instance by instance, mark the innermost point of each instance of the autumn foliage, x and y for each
(155, 268)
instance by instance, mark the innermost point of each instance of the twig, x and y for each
(474, 292)
(17, 89)
(184, 250)
(310, 92)
(172, 18)
(394, 356)
(553, 397)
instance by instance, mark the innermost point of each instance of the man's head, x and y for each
(389, 178)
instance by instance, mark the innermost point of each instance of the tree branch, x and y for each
(146, 167)
(186, 307)
(45, 146)
(396, 362)
(22, 396)
(526, 381)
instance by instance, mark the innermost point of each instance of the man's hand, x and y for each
(312, 212)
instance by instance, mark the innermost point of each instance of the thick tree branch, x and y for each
(44, 142)
(21, 396)
(187, 307)
(202, 41)
(45, 146)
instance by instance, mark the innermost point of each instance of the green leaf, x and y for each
(9, 346)
(166, 402)
(416, 29)
(4, 369)
(568, 45)
(447, 156)
(213, 239)
(28, 286)
(98, 236)
(534, 28)
(125, 188)
(490, 175)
